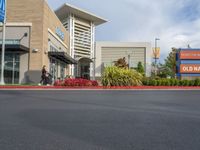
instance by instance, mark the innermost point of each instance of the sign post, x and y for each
(3, 20)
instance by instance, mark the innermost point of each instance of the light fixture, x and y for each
(35, 50)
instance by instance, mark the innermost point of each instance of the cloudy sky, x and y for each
(175, 22)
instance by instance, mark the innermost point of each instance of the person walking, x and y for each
(43, 80)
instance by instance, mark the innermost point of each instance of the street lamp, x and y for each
(156, 53)
(129, 58)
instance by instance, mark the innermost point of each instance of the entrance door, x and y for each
(84, 68)
(11, 70)
(53, 69)
(85, 71)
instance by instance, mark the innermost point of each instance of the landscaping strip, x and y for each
(100, 87)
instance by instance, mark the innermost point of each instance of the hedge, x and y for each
(170, 82)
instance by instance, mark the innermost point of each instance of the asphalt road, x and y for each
(99, 120)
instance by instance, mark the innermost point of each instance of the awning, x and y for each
(15, 48)
(62, 56)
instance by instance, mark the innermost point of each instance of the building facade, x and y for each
(34, 37)
(81, 27)
(63, 41)
(109, 52)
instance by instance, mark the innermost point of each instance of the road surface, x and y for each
(99, 120)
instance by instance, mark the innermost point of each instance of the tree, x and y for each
(140, 68)
(168, 69)
(121, 63)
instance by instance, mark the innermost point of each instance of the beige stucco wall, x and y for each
(23, 67)
(29, 11)
(51, 22)
(43, 19)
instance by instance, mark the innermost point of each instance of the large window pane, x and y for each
(11, 68)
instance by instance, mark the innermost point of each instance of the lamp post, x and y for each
(155, 54)
(129, 58)
(3, 8)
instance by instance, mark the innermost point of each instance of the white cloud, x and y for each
(175, 22)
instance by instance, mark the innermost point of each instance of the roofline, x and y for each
(117, 43)
(81, 10)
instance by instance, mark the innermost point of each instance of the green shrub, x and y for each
(154, 82)
(192, 83)
(170, 82)
(176, 83)
(185, 83)
(151, 82)
(115, 76)
(158, 83)
(173, 82)
(180, 83)
(197, 82)
(167, 82)
(163, 82)
(145, 81)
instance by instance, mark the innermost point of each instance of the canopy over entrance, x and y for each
(62, 56)
(18, 48)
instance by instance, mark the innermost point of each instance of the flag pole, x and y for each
(3, 48)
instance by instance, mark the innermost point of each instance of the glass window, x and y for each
(12, 68)
(62, 71)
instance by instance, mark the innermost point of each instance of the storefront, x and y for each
(34, 37)
(17, 52)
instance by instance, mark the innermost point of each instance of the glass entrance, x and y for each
(84, 68)
(54, 68)
(11, 70)
(62, 71)
(85, 71)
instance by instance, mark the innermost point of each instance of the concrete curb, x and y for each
(102, 88)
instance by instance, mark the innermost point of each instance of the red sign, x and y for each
(189, 68)
(190, 54)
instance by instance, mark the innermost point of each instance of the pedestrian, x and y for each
(43, 80)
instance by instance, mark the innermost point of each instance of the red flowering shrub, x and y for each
(76, 82)
(94, 83)
(58, 83)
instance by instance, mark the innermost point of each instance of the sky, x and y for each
(175, 22)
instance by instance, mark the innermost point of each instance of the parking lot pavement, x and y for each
(99, 120)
